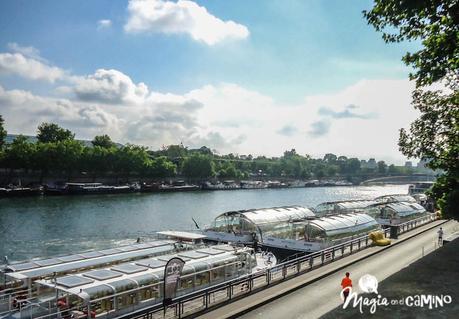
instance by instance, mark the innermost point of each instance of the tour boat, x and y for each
(117, 289)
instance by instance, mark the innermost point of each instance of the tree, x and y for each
(382, 167)
(103, 141)
(131, 158)
(3, 132)
(291, 153)
(330, 158)
(434, 22)
(435, 134)
(69, 153)
(198, 166)
(98, 160)
(52, 133)
(20, 153)
(352, 166)
(162, 167)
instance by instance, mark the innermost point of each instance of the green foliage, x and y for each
(103, 141)
(228, 170)
(20, 153)
(434, 22)
(382, 167)
(67, 156)
(3, 132)
(52, 133)
(435, 134)
(446, 191)
(130, 159)
(161, 167)
(198, 166)
(98, 159)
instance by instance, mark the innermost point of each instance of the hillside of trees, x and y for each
(55, 152)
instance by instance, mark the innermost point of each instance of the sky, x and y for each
(248, 77)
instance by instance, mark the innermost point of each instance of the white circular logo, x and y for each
(368, 284)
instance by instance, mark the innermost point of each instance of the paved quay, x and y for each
(435, 275)
(315, 293)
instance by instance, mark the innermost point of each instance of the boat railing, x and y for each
(202, 300)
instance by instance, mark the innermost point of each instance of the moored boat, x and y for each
(319, 233)
(253, 185)
(340, 207)
(225, 185)
(16, 191)
(252, 225)
(121, 288)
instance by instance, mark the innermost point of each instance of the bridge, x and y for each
(400, 179)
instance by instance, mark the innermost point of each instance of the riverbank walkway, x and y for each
(437, 274)
(315, 293)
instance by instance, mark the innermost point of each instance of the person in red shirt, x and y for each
(346, 284)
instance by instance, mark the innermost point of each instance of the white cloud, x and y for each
(184, 16)
(24, 111)
(104, 24)
(361, 120)
(109, 86)
(29, 52)
(29, 68)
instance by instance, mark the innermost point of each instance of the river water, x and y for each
(49, 226)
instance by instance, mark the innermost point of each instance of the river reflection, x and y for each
(47, 226)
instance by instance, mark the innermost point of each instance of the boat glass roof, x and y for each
(273, 215)
(193, 255)
(33, 270)
(151, 263)
(73, 281)
(106, 281)
(48, 262)
(123, 284)
(128, 268)
(169, 257)
(210, 251)
(331, 223)
(102, 274)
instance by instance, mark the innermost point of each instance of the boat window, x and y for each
(99, 291)
(123, 285)
(202, 279)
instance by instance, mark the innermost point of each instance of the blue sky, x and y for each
(280, 54)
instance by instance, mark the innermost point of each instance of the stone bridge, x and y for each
(400, 179)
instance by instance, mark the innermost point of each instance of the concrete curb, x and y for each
(241, 311)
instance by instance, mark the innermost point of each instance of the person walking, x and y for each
(440, 237)
(346, 284)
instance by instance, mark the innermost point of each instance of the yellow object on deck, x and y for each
(377, 237)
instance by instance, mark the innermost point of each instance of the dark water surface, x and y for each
(47, 226)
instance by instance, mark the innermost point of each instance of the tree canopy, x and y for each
(198, 166)
(2, 132)
(434, 22)
(434, 136)
(103, 141)
(52, 133)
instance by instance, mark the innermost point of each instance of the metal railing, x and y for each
(211, 297)
(217, 295)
